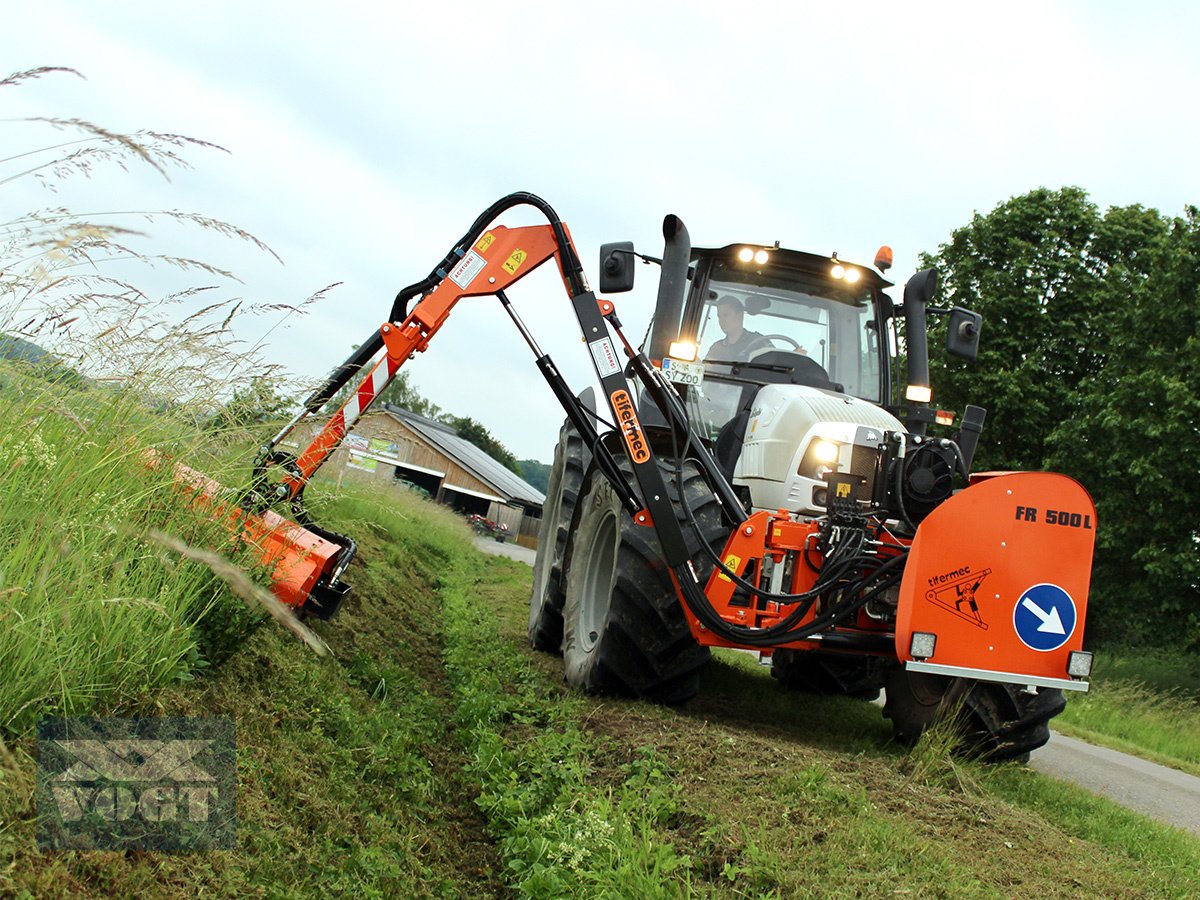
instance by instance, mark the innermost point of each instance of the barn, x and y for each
(393, 447)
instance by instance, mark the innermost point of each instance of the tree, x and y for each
(1088, 365)
(536, 474)
(1134, 443)
(401, 392)
(470, 430)
(1046, 270)
(255, 404)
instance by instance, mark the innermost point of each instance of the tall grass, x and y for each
(1141, 702)
(91, 609)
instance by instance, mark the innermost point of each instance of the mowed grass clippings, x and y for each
(785, 794)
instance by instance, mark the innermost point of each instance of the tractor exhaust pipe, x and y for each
(918, 291)
(672, 286)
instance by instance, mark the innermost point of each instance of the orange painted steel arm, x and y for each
(498, 259)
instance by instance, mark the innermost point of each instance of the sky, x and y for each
(363, 142)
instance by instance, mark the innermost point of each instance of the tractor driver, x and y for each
(738, 343)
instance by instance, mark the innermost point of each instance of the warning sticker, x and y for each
(464, 273)
(606, 357)
(514, 262)
(732, 562)
(484, 242)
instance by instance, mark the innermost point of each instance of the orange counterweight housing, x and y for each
(1000, 574)
(297, 559)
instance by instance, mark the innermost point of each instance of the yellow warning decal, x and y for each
(731, 563)
(514, 262)
(843, 490)
(484, 242)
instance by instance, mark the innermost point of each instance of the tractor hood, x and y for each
(778, 462)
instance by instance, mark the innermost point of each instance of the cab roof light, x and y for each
(883, 259)
(758, 256)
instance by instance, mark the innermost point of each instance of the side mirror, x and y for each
(616, 267)
(962, 335)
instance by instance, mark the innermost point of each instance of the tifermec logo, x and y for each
(136, 784)
(631, 428)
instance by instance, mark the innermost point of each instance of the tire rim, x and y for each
(600, 567)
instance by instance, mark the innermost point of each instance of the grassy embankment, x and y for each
(1141, 702)
(91, 610)
(434, 755)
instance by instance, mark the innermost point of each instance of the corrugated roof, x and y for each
(470, 457)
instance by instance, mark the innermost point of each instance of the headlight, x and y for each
(685, 350)
(824, 451)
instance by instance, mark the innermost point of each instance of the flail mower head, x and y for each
(306, 562)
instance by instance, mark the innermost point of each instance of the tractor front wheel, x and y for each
(624, 628)
(562, 495)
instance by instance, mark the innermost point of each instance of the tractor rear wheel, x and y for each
(817, 672)
(1000, 721)
(624, 628)
(562, 495)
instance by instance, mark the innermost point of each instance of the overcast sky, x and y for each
(362, 145)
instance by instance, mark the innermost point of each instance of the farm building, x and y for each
(394, 447)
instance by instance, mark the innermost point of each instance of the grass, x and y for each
(91, 608)
(1142, 702)
(433, 754)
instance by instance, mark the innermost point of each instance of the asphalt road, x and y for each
(508, 548)
(1161, 793)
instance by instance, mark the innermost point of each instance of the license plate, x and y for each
(681, 372)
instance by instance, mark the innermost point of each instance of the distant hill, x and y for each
(13, 347)
(42, 362)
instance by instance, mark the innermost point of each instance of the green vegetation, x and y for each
(433, 754)
(1090, 364)
(92, 609)
(1144, 703)
(535, 473)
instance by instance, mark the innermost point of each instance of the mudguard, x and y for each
(1000, 573)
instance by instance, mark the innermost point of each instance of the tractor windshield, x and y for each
(748, 313)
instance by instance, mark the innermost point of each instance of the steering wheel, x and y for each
(783, 337)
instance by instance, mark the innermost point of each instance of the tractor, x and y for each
(783, 364)
(751, 477)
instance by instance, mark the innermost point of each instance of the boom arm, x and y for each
(486, 261)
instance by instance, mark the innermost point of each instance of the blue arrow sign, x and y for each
(1044, 617)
